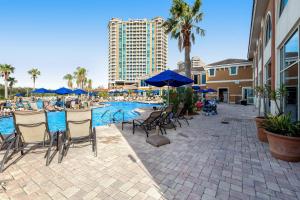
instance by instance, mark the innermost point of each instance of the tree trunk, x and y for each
(187, 61)
(33, 83)
(6, 87)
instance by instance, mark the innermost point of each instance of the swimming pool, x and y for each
(113, 112)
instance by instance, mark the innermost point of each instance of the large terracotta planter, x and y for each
(262, 136)
(284, 147)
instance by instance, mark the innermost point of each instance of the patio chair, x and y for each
(179, 115)
(149, 123)
(31, 129)
(165, 119)
(79, 129)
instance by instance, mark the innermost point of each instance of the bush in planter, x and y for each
(282, 125)
(284, 137)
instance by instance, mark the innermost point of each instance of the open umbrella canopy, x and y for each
(41, 91)
(19, 95)
(155, 92)
(63, 91)
(196, 87)
(79, 91)
(169, 78)
(211, 90)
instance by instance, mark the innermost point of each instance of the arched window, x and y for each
(282, 6)
(268, 32)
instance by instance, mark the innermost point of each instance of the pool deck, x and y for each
(206, 160)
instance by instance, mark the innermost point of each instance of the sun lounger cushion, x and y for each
(158, 140)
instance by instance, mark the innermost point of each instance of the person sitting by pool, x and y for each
(59, 104)
(48, 106)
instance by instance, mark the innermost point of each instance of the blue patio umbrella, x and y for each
(63, 91)
(79, 92)
(168, 78)
(41, 91)
(19, 95)
(196, 87)
(92, 93)
(211, 90)
(155, 92)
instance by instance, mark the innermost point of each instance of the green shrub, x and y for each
(282, 125)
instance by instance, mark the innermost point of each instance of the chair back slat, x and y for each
(79, 115)
(153, 116)
(79, 122)
(32, 125)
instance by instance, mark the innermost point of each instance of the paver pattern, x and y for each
(206, 160)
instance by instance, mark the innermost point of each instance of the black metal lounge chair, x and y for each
(149, 123)
(31, 129)
(179, 115)
(79, 129)
(165, 119)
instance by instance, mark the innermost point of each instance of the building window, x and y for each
(233, 71)
(282, 6)
(268, 30)
(203, 78)
(289, 75)
(211, 72)
(196, 79)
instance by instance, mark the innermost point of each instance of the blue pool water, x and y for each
(101, 116)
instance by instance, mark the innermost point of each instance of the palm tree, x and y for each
(11, 82)
(89, 84)
(5, 71)
(183, 26)
(34, 72)
(80, 76)
(69, 78)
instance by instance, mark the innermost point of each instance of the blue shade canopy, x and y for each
(211, 90)
(19, 95)
(155, 92)
(196, 87)
(79, 92)
(63, 91)
(41, 91)
(93, 93)
(168, 78)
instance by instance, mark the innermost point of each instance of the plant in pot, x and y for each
(261, 93)
(283, 136)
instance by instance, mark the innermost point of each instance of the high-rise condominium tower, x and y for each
(137, 47)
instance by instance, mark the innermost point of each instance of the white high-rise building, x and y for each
(137, 47)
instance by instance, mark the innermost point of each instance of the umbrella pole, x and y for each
(168, 95)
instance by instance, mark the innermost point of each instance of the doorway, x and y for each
(248, 95)
(223, 95)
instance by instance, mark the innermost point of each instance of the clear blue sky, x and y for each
(56, 36)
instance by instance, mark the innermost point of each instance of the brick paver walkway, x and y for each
(206, 160)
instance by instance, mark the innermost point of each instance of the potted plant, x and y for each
(284, 137)
(261, 93)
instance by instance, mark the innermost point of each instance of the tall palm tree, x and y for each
(80, 76)
(69, 78)
(89, 84)
(34, 72)
(183, 26)
(11, 82)
(5, 71)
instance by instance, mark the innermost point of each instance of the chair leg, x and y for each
(133, 127)
(60, 148)
(177, 120)
(95, 142)
(5, 155)
(186, 121)
(145, 129)
(49, 151)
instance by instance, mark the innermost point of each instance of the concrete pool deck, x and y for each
(206, 160)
